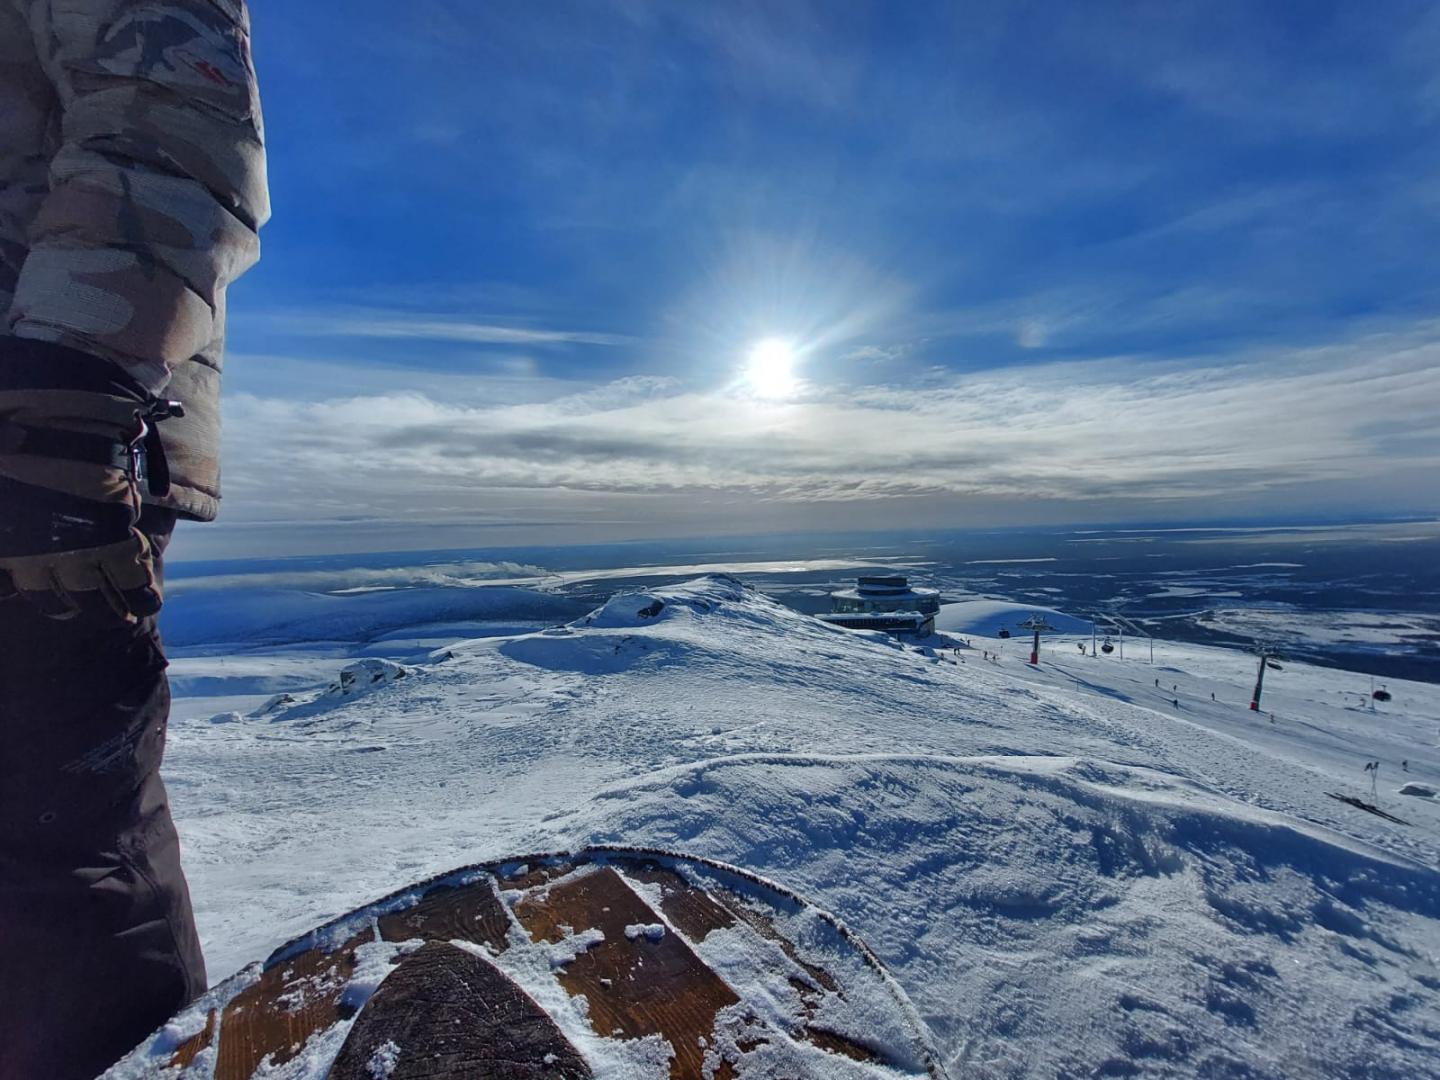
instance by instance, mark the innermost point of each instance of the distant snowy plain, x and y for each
(1088, 868)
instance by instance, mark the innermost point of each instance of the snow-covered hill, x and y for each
(989, 617)
(1090, 868)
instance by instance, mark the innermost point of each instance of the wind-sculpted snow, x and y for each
(1072, 870)
(1058, 916)
(690, 614)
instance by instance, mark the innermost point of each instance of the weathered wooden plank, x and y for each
(190, 1049)
(446, 1014)
(696, 913)
(469, 913)
(278, 1014)
(692, 911)
(635, 985)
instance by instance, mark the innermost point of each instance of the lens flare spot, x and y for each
(770, 368)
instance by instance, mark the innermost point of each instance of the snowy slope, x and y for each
(987, 617)
(1070, 869)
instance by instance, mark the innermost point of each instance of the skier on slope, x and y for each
(132, 187)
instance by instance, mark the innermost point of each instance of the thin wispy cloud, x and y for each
(410, 327)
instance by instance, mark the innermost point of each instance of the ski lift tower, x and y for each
(1037, 623)
(1269, 658)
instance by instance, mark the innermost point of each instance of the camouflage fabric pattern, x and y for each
(132, 190)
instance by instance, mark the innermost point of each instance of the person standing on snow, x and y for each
(132, 189)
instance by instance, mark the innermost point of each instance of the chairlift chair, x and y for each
(1106, 647)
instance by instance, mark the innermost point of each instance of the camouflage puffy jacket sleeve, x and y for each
(132, 188)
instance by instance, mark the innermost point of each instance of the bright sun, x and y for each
(771, 368)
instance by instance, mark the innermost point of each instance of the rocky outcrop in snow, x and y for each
(367, 674)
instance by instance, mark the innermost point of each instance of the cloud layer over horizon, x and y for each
(1117, 429)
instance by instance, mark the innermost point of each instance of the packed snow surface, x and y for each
(1093, 867)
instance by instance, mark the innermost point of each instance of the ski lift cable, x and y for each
(1131, 625)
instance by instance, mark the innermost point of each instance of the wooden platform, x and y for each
(559, 966)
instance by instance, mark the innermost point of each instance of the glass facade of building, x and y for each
(879, 594)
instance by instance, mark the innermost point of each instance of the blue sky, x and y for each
(1039, 262)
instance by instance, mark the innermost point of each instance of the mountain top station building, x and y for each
(885, 603)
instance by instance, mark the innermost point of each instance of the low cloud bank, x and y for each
(448, 575)
(1118, 429)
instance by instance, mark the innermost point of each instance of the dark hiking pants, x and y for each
(97, 940)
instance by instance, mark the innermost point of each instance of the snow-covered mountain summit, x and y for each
(1071, 870)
